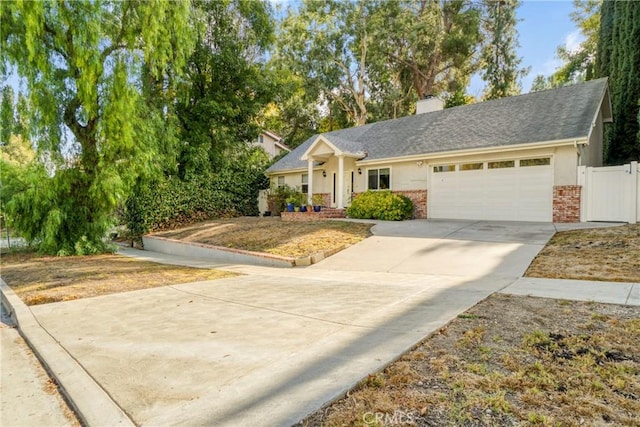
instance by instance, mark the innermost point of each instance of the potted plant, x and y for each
(302, 201)
(291, 202)
(317, 201)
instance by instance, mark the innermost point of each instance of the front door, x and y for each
(334, 192)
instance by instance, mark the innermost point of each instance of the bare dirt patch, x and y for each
(40, 280)
(509, 361)
(608, 254)
(273, 236)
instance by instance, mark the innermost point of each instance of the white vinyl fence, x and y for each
(610, 193)
(262, 201)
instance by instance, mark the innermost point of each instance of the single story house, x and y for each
(271, 142)
(514, 158)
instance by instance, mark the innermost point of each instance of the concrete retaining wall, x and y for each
(217, 253)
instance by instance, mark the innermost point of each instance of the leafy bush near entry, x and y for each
(381, 205)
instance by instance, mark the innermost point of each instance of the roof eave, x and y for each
(474, 151)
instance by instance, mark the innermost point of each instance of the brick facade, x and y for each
(566, 203)
(419, 199)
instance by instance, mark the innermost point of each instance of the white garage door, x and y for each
(510, 190)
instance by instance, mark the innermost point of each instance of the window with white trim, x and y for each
(444, 168)
(502, 164)
(305, 183)
(542, 161)
(471, 166)
(379, 179)
(280, 181)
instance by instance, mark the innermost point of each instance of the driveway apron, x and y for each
(269, 347)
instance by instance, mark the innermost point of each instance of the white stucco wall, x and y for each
(565, 166)
(592, 154)
(268, 144)
(411, 175)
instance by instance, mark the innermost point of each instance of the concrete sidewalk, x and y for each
(577, 290)
(28, 396)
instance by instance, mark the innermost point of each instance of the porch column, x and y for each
(309, 179)
(340, 182)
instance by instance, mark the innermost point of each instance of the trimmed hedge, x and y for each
(381, 205)
(171, 202)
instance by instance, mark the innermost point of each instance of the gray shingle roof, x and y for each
(550, 115)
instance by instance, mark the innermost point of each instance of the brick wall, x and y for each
(418, 197)
(566, 203)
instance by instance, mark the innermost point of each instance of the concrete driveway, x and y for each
(458, 248)
(269, 347)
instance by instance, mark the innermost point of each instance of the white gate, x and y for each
(610, 193)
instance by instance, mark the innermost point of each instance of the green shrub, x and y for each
(167, 203)
(381, 205)
(278, 198)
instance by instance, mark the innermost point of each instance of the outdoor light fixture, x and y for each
(359, 171)
(324, 174)
(419, 163)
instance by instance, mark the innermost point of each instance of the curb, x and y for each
(169, 246)
(90, 402)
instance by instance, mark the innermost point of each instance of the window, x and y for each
(280, 181)
(471, 166)
(501, 165)
(543, 161)
(261, 139)
(379, 179)
(444, 168)
(305, 183)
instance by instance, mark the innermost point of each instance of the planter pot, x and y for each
(303, 208)
(296, 208)
(309, 209)
(267, 213)
(317, 208)
(289, 207)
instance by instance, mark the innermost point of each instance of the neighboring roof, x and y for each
(551, 115)
(277, 139)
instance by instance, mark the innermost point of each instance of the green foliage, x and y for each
(279, 196)
(619, 59)
(499, 58)
(43, 209)
(317, 200)
(226, 86)
(429, 45)
(322, 29)
(82, 62)
(369, 60)
(381, 205)
(167, 202)
(579, 64)
(7, 116)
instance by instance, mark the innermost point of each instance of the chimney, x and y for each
(429, 104)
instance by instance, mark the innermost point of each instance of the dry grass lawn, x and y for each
(509, 361)
(607, 254)
(273, 236)
(40, 280)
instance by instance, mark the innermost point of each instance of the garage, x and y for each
(508, 190)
